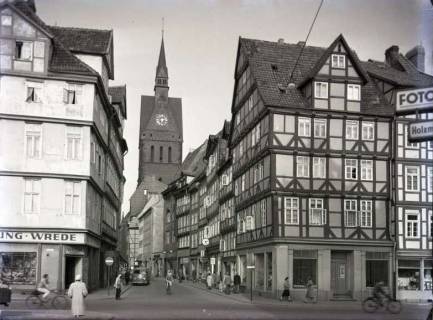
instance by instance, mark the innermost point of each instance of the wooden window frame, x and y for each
(291, 211)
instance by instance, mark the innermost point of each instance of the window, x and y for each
(350, 213)
(354, 92)
(34, 93)
(243, 178)
(169, 155)
(92, 152)
(367, 131)
(351, 169)
(317, 212)
(33, 140)
(23, 50)
(72, 197)
(304, 267)
(304, 127)
(152, 153)
(71, 94)
(376, 271)
(412, 226)
(430, 179)
(319, 167)
(412, 178)
(303, 167)
(319, 128)
(366, 213)
(19, 268)
(367, 170)
(73, 143)
(291, 210)
(321, 90)
(263, 212)
(249, 223)
(338, 61)
(32, 195)
(352, 130)
(6, 20)
(161, 153)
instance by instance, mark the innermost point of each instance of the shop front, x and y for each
(414, 278)
(27, 255)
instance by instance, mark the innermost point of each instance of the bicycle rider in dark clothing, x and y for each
(379, 293)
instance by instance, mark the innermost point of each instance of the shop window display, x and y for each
(408, 275)
(18, 267)
(304, 267)
(428, 275)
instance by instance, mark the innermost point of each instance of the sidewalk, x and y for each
(50, 314)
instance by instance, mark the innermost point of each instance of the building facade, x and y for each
(318, 181)
(61, 151)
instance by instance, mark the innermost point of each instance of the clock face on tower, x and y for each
(161, 119)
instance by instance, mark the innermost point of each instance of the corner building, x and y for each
(61, 150)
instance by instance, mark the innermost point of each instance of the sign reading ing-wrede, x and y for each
(409, 101)
(421, 131)
(41, 236)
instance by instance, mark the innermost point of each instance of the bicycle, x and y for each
(371, 304)
(168, 285)
(57, 301)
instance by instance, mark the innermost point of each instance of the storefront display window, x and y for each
(377, 270)
(428, 275)
(269, 271)
(304, 267)
(18, 267)
(259, 271)
(408, 275)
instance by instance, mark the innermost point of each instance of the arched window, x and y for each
(161, 150)
(152, 154)
(169, 154)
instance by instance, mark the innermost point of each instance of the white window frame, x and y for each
(412, 177)
(34, 133)
(249, 223)
(321, 90)
(319, 167)
(410, 224)
(73, 192)
(6, 20)
(338, 61)
(348, 167)
(367, 170)
(304, 127)
(317, 205)
(354, 92)
(429, 179)
(33, 92)
(429, 225)
(302, 167)
(33, 194)
(350, 208)
(25, 43)
(352, 130)
(366, 214)
(367, 131)
(291, 210)
(74, 135)
(222, 245)
(320, 128)
(263, 212)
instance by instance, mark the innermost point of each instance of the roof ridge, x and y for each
(283, 44)
(78, 28)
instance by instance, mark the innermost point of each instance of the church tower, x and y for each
(161, 132)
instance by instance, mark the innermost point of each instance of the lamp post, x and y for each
(251, 268)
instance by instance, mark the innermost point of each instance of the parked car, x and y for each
(140, 277)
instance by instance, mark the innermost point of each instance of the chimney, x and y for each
(417, 56)
(280, 41)
(391, 57)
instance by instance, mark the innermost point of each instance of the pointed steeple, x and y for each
(161, 79)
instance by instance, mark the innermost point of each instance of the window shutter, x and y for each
(30, 94)
(65, 96)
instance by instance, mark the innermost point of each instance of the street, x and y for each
(195, 302)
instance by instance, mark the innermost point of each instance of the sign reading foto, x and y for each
(421, 131)
(41, 237)
(408, 101)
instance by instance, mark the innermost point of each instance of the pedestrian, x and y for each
(309, 296)
(127, 277)
(5, 293)
(118, 286)
(77, 292)
(214, 280)
(286, 291)
(236, 282)
(227, 283)
(209, 281)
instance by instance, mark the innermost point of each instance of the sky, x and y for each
(201, 41)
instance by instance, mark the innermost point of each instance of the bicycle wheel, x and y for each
(369, 305)
(394, 306)
(59, 302)
(33, 302)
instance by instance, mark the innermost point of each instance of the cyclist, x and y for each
(379, 292)
(169, 281)
(43, 287)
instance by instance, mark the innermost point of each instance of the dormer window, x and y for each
(338, 61)
(321, 90)
(354, 92)
(6, 20)
(23, 50)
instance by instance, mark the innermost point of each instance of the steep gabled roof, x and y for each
(194, 162)
(271, 64)
(118, 96)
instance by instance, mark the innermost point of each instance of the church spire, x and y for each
(161, 79)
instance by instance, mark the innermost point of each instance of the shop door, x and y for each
(339, 275)
(72, 268)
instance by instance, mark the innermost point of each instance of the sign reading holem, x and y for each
(408, 101)
(421, 131)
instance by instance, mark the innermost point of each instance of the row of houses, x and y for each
(313, 177)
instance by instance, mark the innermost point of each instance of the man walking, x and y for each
(118, 286)
(236, 282)
(77, 292)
